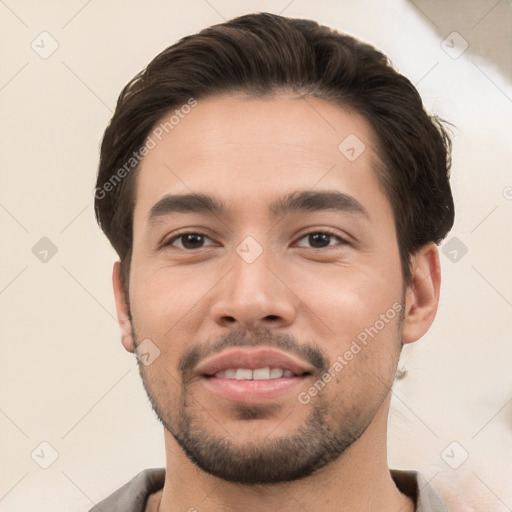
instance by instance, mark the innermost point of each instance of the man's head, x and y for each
(268, 139)
(262, 53)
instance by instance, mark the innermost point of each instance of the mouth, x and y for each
(266, 373)
(253, 375)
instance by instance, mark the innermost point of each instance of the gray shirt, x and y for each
(133, 496)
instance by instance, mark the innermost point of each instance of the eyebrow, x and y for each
(294, 202)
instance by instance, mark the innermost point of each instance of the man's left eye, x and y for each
(320, 239)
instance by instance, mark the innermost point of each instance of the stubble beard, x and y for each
(326, 433)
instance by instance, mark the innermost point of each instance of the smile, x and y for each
(256, 374)
(253, 375)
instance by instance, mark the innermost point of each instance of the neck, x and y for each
(359, 480)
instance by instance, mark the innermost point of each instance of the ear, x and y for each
(122, 309)
(422, 295)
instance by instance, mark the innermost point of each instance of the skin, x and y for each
(249, 151)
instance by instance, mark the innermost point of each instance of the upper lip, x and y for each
(252, 359)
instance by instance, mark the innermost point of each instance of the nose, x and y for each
(254, 294)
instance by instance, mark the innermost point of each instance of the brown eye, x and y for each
(189, 241)
(321, 239)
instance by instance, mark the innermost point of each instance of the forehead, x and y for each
(255, 148)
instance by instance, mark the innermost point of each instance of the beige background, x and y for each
(65, 378)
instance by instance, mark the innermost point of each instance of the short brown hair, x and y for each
(263, 53)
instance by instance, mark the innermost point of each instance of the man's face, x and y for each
(255, 287)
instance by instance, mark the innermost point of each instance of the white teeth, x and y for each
(276, 373)
(256, 374)
(261, 373)
(243, 374)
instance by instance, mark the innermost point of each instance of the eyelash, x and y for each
(323, 232)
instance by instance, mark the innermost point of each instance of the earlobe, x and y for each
(422, 295)
(122, 309)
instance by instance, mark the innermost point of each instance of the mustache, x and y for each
(262, 337)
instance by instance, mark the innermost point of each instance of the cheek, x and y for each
(164, 389)
(164, 308)
(359, 308)
(163, 298)
(347, 299)
(363, 368)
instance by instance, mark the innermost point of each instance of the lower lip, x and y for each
(252, 391)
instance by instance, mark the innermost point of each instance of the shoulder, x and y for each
(415, 485)
(133, 495)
